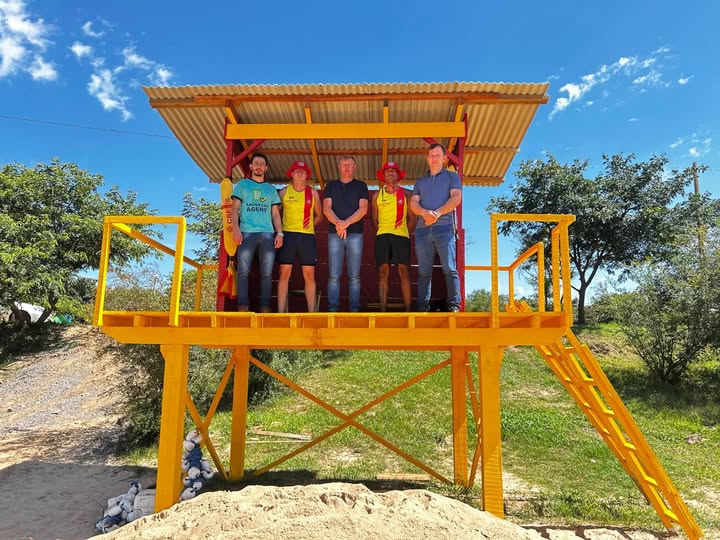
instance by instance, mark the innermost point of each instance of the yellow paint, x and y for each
(456, 333)
(169, 481)
(489, 361)
(459, 416)
(241, 357)
(396, 130)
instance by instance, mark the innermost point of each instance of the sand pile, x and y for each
(337, 511)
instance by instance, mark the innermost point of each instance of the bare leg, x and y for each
(404, 273)
(282, 287)
(383, 273)
(309, 277)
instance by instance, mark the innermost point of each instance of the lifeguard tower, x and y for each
(482, 125)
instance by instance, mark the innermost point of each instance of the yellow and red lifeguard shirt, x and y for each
(392, 212)
(298, 210)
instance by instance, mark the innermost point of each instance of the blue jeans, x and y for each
(265, 241)
(428, 240)
(337, 248)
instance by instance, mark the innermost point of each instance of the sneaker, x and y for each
(454, 309)
(242, 308)
(265, 310)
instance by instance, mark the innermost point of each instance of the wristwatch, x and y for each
(280, 233)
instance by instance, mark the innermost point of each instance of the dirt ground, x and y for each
(58, 430)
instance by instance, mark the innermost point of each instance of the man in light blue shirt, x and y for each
(257, 225)
(434, 199)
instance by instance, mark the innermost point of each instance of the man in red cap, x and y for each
(393, 221)
(301, 211)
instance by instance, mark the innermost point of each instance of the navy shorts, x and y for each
(298, 244)
(392, 249)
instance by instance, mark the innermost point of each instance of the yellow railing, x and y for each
(560, 256)
(122, 224)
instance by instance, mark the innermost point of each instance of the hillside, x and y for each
(57, 435)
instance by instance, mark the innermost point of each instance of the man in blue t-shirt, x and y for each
(257, 225)
(434, 199)
(345, 203)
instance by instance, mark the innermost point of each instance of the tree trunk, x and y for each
(581, 303)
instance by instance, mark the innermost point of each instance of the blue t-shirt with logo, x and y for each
(257, 199)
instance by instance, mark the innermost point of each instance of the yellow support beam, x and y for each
(397, 130)
(459, 416)
(489, 361)
(313, 149)
(169, 480)
(241, 356)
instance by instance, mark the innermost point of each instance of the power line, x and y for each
(77, 126)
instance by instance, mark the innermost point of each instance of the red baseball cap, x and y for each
(298, 165)
(390, 165)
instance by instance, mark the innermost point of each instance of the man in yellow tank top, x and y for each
(394, 222)
(301, 211)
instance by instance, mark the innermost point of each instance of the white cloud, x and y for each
(81, 50)
(103, 86)
(111, 84)
(157, 73)
(684, 80)
(643, 73)
(697, 145)
(677, 142)
(633, 119)
(40, 70)
(23, 40)
(88, 30)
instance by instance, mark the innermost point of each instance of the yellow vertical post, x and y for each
(555, 254)
(169, 482)
(494, 285)
(177, 272)
(541, 276)
(102, 274)
(239, 413)
(489, 360)
(459, 416)
(565, 263)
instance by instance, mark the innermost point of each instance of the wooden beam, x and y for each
(466, 97)
(386, 120)
(377, 152)
(230, 113)
(397, 130)
(313, 149)
(459, 108)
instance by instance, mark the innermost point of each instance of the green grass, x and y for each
(563, 471)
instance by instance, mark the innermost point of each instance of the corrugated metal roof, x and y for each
(498, 115)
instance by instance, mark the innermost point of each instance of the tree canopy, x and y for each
(51, 223)
(205, 221)
(624, 214)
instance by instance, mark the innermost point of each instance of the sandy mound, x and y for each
(338, 511)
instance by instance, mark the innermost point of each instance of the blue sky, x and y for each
(631, 77)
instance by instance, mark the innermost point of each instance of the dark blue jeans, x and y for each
(337, 248)
(440, 239)
(265, 242)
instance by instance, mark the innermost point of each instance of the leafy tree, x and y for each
(204, 220)
(51, 220)
(673, 315)
(624, 214)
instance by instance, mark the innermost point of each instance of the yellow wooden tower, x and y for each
(482, 125)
